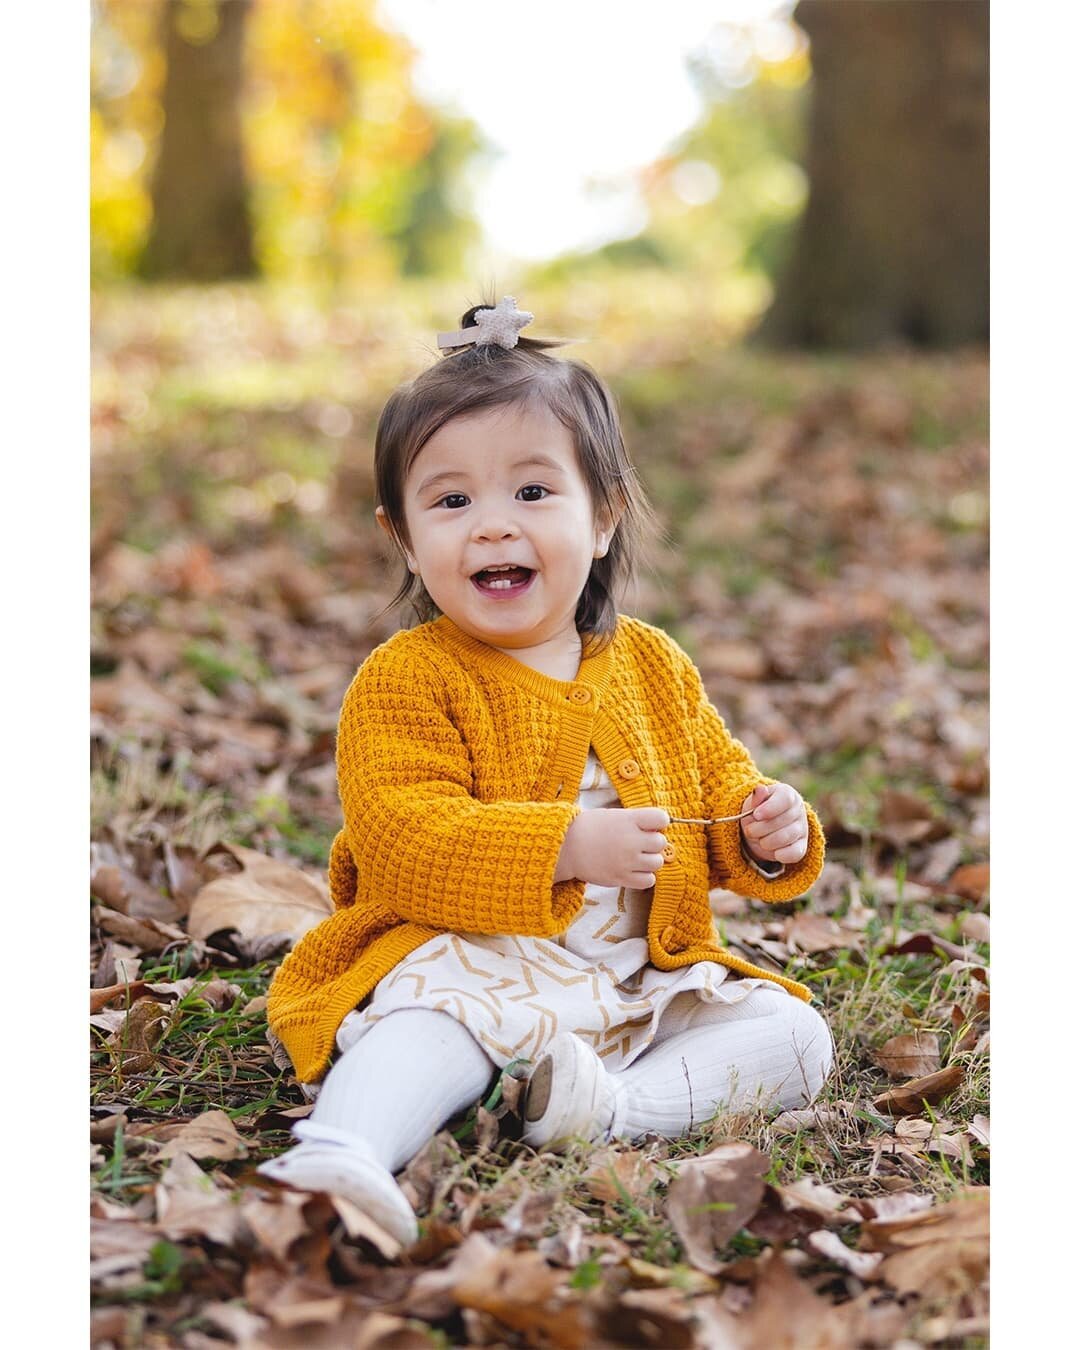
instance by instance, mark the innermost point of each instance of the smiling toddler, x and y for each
(538, 796)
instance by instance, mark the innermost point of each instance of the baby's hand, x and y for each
(778, 830)
(615, 846)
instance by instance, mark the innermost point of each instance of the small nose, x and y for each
(495, 524)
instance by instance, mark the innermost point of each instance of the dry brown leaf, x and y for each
(613, 1168)
(860, 1264)
(943, 1250)
(979, 1129)
(976, 926)
(101, 998)
(143, 1026)
(358, 1224)
(380, 1331)
(785, 1314)
(909, 1056)
(528, 1216)
(663, 1317)
(189, 1204)
(810, 1118)
(265, 898)
(909, 1098)
(522, 1292)
(818, 1199)
(119, 1249)
(712, 1197)
(645, 1275)
(241, 1326)
(211, 1135)
(810, 933)
(276, 1223)
(122, 890)
(972, 881)
(896, 1205)
(128, 695)
(147, 935)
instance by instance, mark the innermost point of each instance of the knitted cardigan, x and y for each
(458, 767)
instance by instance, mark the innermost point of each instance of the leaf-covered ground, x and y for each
(827, 568)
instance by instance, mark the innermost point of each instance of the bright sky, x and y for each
(568, 91)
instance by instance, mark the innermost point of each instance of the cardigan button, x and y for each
(629, 768)
(668, 851)
(580, 695)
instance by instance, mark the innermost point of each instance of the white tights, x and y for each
(416, 1068)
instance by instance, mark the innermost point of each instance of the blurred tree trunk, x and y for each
(201, 228)
(894, 241)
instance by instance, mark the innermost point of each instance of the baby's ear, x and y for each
(605, 529)
(384, 521)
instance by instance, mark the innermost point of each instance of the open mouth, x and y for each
(503, 582)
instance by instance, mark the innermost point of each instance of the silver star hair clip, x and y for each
(501, 324)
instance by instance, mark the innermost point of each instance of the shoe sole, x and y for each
(551, 1126)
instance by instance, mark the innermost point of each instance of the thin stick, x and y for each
(716, 820)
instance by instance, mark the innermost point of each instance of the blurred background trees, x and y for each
(835, 185)
(895, 239)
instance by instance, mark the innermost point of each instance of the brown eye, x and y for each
(534, 487)
(460, 496)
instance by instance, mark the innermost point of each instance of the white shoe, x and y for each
(570, 1096)
(332, 1160)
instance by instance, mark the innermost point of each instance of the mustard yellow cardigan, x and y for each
(458, 767)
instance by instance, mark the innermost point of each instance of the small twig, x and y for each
(716, 820)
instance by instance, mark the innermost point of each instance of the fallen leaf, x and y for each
(943, 1250)
(143, 1026)
(909, 1098)
(277, 1223)
(264, 898)
(807, 1194)
(645, 1275)
(189, 1204)
(897, 1205)
(809, 1118)
(976, 926)
(908, 1056)
(358, 1224)
(528, 1216)
(147, 935)
(785, 1314)
(860, 1264)
(979, 1129)
(616, 1173)
(663, 1317)
(712, 1197)
(211, 1135)
(241, 1326)
(972, 881)
(101, 998)
(522, 1292)
(121, 889)
(811, 933)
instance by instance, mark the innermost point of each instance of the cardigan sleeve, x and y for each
(728, 776)
(422, 844)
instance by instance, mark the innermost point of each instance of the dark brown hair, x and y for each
(470, 379)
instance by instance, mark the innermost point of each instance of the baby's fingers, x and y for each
(778, 839)
(793, 853)
(781, 799)
(762, 829)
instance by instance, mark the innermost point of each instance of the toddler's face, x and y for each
(478, 495)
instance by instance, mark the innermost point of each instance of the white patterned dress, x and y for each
(514, 993)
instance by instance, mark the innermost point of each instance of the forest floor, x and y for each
(827, 569)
